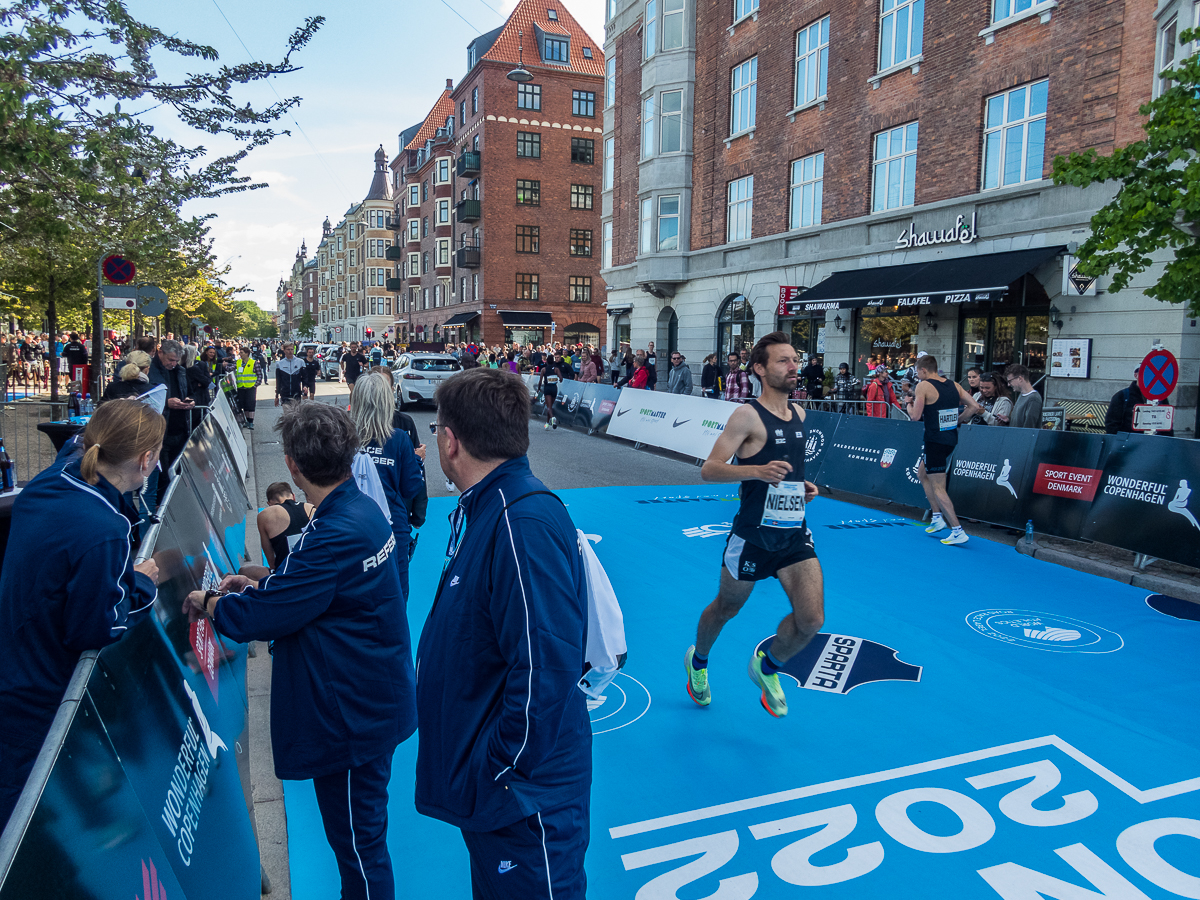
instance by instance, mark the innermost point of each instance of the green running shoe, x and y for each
(697, 686)
(773, 700)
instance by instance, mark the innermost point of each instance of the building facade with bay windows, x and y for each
(770, 167)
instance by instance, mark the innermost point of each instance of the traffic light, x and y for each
(369, 332)
(289, 295)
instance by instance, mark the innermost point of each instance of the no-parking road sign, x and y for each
(1158, 374)
(118, 269)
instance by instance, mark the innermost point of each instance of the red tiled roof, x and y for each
(442, 110)
(534, 12)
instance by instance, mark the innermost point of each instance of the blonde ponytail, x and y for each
(120, 431)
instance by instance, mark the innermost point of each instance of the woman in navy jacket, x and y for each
(69, 583)
(342, 681)
(391, 450)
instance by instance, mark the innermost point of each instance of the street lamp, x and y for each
(520, 74)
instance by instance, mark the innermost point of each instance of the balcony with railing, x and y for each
(468, 164)
(395, 223)
(467, 257)
(468, 211)
(395, 285)
(393, 253)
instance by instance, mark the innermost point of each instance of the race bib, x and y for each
(947, 419)
(551, 379)
(784, 506)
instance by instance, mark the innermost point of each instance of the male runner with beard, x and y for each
(769, 536)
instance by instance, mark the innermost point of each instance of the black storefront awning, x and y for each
(965, 279)
(460, 319)
(519, 319)
(620, 310)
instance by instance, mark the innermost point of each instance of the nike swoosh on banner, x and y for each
(621, 412)
(679, 422)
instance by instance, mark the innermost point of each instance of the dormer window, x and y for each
(552, 14)
(555, 49)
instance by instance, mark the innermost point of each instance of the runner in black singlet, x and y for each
(770, 538)
(279, 528)
(942, 405)
(555, 371)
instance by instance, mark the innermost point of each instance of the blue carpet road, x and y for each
(1034, 733)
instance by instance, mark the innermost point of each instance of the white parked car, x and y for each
(417, 375)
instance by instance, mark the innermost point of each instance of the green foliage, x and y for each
(306, 325)
(1157, 205)
(80, 176)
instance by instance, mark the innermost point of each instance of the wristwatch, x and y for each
(209, 595)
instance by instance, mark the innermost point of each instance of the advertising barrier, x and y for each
(685, 424)
(876, 457)
(1130, 491)
(1144, 499)
(142, 787)
(222, 413)
(991, 474)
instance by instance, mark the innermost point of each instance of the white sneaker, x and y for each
(957, 536)
(935, 526)
(553, 422)
(546, 427)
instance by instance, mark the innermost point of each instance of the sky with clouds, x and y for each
(370, 72)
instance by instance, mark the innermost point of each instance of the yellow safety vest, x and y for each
(246, 376)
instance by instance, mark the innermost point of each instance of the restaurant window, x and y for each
(884, 333)
(735, 326)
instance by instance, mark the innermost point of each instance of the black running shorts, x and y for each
(937, 457)
(246, 398)
(750, 562)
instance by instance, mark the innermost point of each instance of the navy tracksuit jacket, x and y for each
(504, 729)
(342, 675)
(68, 585)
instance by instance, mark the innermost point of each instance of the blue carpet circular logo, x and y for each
(623, 702)
(1044, 631)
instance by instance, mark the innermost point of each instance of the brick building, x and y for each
(524, 180)
(906, 147)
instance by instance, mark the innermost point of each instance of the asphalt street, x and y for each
(561, 458)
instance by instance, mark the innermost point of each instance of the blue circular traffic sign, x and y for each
(118, 269)
(1158, 374)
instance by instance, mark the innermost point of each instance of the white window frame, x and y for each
(669, 14)
(648, 127)
(676, 125)
(999, 132)
(609, 162)
(606, 246)
(353, 257)
(443, 212)
(807, 191)
(443, 171)
(646, 239)
(664, 217)
(743, 9)
(743, 97)
(414, 195)
(900, 17)
(610, 82)
(813, 61)
(414, 229)
(739, 209)
(651, 29)
(903, 161)
(443, 251)
(414, 264)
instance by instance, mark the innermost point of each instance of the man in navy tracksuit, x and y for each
(342, 677)
(505, 751)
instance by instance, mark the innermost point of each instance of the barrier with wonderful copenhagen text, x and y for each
(142, 786)
(1130, 491)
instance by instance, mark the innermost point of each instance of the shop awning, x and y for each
(620, 310)
(460, 319)
(964, 279)
(521, 319)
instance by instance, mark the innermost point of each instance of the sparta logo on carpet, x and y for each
(838, 663)
(1044, 631)
(623, 702)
